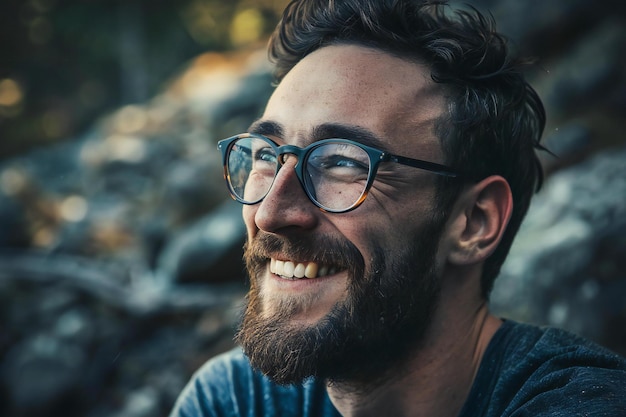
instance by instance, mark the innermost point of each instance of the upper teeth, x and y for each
(291, 269)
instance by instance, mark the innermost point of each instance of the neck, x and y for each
(437, 378)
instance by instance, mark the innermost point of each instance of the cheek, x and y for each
(375, 222)
(377, 233)
(248, 214)
(369, 236)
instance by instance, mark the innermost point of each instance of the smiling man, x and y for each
(382, 188)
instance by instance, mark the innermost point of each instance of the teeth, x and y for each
(279, 268)
(298, 271)
(290, 269)
(311, 270)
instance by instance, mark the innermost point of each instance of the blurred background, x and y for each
(120, 270)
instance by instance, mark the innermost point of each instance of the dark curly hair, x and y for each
(494, 120)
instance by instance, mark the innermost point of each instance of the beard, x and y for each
(365, 336)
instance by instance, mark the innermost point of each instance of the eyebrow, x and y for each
(323, 131)
(266, 128)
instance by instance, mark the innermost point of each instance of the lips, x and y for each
(299, 270)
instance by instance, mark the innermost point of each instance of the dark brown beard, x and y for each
(384, 316)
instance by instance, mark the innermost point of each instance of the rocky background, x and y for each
(120, 250)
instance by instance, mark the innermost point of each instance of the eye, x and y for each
(339, 156)
(338, 161)
(265, 155)
(337, 164)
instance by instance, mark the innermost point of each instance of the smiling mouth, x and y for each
(300, 270)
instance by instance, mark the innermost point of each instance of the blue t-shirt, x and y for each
(526, 371)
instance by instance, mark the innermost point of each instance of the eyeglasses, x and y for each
(336, 174)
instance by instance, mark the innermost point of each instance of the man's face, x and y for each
(375, 269)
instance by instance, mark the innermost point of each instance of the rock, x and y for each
(584, 73)
(564, 266)
(209, 250)
(13, 224)
(42, 371)
(566, 143)
(89, 338)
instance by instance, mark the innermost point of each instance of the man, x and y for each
(382, 189)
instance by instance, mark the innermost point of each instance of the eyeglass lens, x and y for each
(334, 174)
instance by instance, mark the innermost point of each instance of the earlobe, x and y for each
(480, 220)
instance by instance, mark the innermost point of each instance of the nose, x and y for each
(286, 205)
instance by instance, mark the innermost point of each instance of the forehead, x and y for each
(351, 85)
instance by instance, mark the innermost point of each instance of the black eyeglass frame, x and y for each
(376, 156)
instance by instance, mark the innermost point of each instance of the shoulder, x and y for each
(546, 350)
(228, 386)
(546, 371)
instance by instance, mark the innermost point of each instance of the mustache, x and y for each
(325, 250)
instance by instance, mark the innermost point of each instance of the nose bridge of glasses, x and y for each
(283, 152)
(286, 150)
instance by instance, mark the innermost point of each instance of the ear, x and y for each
(479, 220)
